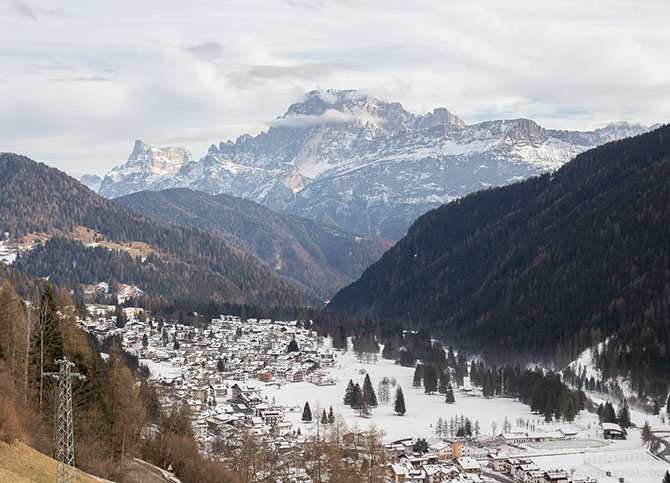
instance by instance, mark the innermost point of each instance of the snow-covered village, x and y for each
(282, 386)
(335, 241)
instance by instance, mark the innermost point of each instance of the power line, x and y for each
(65, 471)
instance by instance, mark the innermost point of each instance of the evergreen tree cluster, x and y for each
(364, 399)
(544, 268)
(545, 393)
(37, 199)
(607, 414)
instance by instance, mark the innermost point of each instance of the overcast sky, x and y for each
(81, 80)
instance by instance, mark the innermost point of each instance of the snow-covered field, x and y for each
(587, 456)
(163, 370)
(633, 464)
(422, 410)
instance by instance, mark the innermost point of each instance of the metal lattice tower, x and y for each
(65, 472)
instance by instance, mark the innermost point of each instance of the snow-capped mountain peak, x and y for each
(146, 167)
(367, 165)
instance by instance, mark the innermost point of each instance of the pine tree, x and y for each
(331, 416)
(666, 478)
(608, 414)
(418, 375)
(623, 418)
(656, 408)
(442, 389)
(399, 405)
(357, 398)
(292, 346)
(120, 317)
(646, 433)
(306, 413)
(430, 379)
(324, 417)
(369, 392)
(420, 446)
(349, 394)
(667, 406)
(145, 341)
(467, 428)
(449, 399)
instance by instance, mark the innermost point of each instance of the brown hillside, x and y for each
(20, 463)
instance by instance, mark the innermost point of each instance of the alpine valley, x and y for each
(368, 166)
(65, 233)
(544, 269)
(316, 258)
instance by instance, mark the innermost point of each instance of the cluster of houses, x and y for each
(524, 470)
(219, 371)
(465, 461)
(453, 461)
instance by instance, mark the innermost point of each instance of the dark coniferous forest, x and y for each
(318, 259)
(181, 264)
(544, 268)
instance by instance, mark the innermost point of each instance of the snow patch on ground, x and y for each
(422, 410)
(162, 370)
(634, 465)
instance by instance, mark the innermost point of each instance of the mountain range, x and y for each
(72, 236)
(318, 259)
(365, 165)
(544, 268)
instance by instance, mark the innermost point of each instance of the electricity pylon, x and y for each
(65, 472)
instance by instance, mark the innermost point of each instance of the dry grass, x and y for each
(21, 464)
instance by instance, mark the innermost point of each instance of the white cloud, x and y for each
(331, 116)
(208, 50)
(185, 71)
(24, 10)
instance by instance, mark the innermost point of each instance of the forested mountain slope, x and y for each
(319, 259)
(364, 164)
(544, 267)
(76, 237)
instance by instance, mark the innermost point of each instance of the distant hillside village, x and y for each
(220, 372)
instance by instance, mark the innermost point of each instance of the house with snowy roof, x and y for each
(467, 464)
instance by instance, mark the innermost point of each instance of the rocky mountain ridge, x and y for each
(368, 166)
(545, 268)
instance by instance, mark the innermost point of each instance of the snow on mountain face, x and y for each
(146, 168)
(363, 164)
(92, 181)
